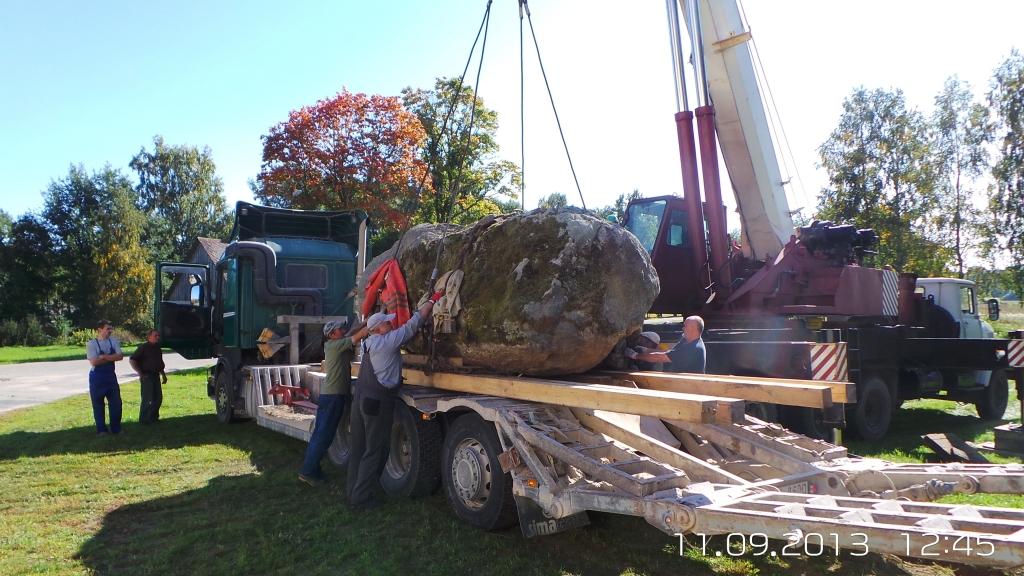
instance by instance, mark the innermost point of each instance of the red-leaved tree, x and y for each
(349, 151)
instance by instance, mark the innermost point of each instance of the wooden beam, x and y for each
(755, 389)
(666, 405)
(694, 467)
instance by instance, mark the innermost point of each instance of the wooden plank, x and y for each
(807, 395)
(666, 405)
(694, 467)
(841, 392)
(951, 448)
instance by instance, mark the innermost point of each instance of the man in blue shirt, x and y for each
(687, 356)
(376, 391)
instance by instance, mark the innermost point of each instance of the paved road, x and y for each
(40, 382)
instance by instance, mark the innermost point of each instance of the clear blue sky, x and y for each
(91, 83)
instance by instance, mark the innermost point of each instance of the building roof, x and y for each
(214, 248)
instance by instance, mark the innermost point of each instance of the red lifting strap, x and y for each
(388, 282)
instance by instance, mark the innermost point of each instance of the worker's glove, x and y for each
(436, 296)
(630, 353)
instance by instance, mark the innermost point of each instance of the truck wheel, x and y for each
(339, 452)
(413, 468)
(224, 394)
(991, 402)
(477, 489)
(873, 413)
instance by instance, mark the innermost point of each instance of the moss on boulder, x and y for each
(546, 292)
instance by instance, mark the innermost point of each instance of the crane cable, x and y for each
(525, 7)
(457, 185)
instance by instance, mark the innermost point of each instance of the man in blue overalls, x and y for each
(102, 352)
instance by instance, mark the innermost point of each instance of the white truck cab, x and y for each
(959, 298)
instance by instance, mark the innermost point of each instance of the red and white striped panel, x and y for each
(828, 362)
(1015, 353)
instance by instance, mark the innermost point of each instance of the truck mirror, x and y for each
(196, 295)
(993, 309)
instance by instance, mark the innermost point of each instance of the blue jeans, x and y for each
(103, 385)
(329, 409)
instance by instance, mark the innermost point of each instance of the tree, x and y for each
(553, 200)
(464, 170)
(1006, 98)
(961, 134)
(28, 268)
(124, 280)
(618, 208)
(95, 226)
(183, 197)
(882, 176)
(349, 151)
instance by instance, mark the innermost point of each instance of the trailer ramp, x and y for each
(812, 502)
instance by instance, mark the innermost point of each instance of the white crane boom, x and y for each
(742, 127)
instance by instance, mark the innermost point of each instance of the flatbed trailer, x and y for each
(500, 458)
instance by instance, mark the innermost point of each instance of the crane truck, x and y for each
(799, 303)
(550, 453)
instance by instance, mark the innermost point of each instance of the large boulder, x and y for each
(546, 292)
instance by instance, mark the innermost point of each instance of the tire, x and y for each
(224, 394)
(413, 468)
(477, 489)
(810, 422)
(991, 402)
(339, 452)
(874, 410)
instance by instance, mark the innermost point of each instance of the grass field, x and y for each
(1011, 317)
(20, 354)
(190, 496)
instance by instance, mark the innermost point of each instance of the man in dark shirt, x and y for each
(687, 356)
(148, 363)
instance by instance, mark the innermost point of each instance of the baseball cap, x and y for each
(332, 325)
(652, 336)
(378, 319)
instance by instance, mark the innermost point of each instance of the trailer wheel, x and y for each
(224, 394)
(413, 468)
(476, 487)
(339, 452)
(991, 402)
(873, 412)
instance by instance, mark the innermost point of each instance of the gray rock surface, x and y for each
(545, 292)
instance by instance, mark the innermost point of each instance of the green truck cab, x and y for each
(283, 274)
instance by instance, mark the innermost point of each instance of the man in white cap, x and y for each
(380, 377)
(338, 352)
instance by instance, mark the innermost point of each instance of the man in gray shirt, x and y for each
(380, 377)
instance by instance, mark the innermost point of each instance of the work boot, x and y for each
(313, 481)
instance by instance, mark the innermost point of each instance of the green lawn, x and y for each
(21, 354)
(190, 496)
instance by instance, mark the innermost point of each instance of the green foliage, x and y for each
(553, 200)
(618, 208)
(125, 274)
(29, 331)
(1006, 98)
(102, 269)
(27, 270)
(882, 176)
(961, 132)
(182, 196)
(80, 336)
(466, 177)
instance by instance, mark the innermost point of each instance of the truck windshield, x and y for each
(644, 221)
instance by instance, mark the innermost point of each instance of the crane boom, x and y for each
(742, 127)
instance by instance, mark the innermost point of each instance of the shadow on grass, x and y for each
(268, 523)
